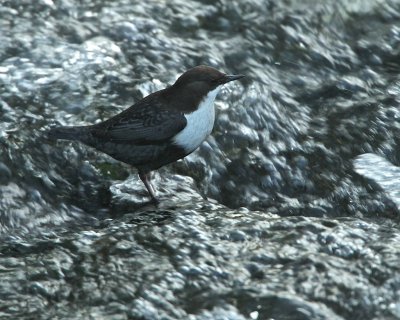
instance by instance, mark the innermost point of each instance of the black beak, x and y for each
(231, 77)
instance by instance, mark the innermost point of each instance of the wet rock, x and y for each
(314, 232)
(5, 174)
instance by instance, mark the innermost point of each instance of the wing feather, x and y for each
(146, 122)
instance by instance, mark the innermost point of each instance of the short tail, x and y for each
(67, 133)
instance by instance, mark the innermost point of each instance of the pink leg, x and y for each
(145, 177)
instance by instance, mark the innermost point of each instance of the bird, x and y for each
(163, 127)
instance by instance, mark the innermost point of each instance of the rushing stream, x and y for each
(289, 210)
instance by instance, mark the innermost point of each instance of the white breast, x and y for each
(199, 124)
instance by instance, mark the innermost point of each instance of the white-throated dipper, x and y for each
(163, 127)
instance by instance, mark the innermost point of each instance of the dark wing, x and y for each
(144, 123)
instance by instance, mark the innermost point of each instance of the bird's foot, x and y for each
(145, 177)
(154, 201)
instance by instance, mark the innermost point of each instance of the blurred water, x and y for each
(271, 218)
(381, 172)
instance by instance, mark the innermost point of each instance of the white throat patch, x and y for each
(199, 123)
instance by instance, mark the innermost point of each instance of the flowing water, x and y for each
(289, 210)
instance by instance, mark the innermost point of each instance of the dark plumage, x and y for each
(143, 135)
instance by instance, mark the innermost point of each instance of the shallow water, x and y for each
(288, 211)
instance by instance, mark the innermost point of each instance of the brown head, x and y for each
(193, 85)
